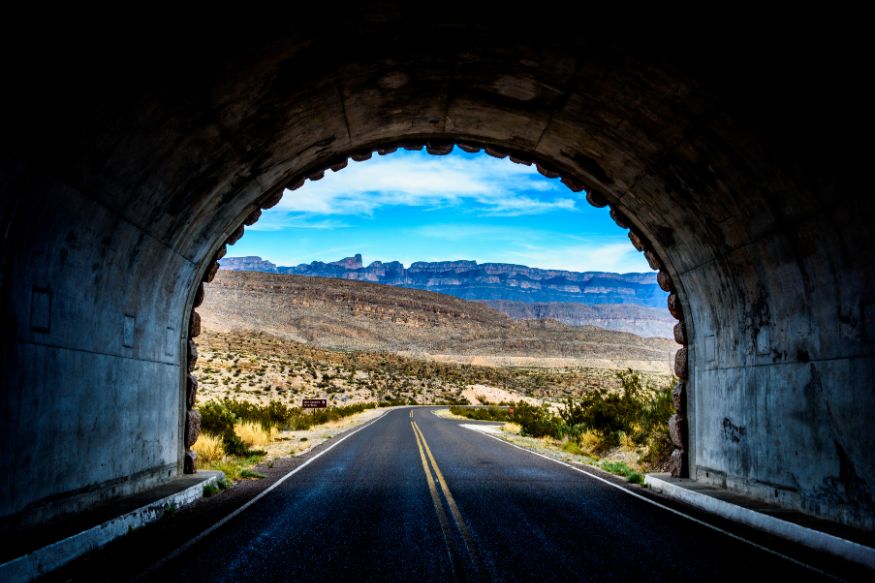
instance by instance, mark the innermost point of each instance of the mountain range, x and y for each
(628, 302)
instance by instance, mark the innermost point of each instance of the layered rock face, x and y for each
(639, 320)
(487, 281)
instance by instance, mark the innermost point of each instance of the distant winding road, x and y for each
(414, 497)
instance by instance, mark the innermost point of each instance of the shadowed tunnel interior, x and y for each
(128, 161)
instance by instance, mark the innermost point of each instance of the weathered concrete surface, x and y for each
(734, 174)
(49, 558)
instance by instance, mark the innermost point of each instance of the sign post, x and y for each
(314, 404)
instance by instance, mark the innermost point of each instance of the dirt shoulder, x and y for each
(297, 443)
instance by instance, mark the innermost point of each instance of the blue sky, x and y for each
(411, 206)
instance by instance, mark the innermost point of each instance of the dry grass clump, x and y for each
(253, 434)
(591, 442)
(209, 449)
(512, 427)
(626, 441)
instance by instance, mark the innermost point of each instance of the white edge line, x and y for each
(261, 495)
(664, 507)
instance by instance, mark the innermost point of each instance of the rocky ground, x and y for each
(259, 367)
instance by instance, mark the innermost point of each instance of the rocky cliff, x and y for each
(485, 281)
(638, 320)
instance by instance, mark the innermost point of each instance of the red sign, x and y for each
(315, 403)
(510, 410)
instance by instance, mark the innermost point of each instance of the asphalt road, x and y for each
(414, 497)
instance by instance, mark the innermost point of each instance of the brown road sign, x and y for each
(315, 403)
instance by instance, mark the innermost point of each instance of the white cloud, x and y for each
(495, 187)
(279, 221)
(474, 232)
(541, 248)
(618, 257)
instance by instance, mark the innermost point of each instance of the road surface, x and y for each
(415, 497)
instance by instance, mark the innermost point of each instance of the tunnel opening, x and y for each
(237, 320)
(677, 423)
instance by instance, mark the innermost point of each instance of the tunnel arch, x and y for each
(678, 423)
(117, 200)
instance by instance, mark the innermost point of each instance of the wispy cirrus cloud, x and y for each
(282, 221)
(584, 255)
(543, 248)
(482, 185)
(475, 232)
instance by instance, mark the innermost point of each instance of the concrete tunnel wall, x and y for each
(117, 197)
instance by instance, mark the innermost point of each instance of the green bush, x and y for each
(491, 413)
(654, 423)
(621, 469)
(638, 410)
(216, 418)
(535, 421)
(538, 421)
(609, 412)
(219, 419)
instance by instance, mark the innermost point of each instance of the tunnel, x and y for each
(132, 159)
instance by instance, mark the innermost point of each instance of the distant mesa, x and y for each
(351, 263)
(487, 281)
(521, 292)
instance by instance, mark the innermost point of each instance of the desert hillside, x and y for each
(353, 315)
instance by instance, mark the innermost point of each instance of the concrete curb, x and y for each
(808, 537)
(56, 555)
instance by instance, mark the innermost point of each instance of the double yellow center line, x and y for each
(426, 457)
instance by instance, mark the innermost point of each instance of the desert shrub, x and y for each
(491, 413)
(591, 442)
(626, 440)
(538, 421)
(571, 446)
(225, 414)
(511, 427)
(611, 413)
(635, 415)
(654, 425)
(218, 419)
